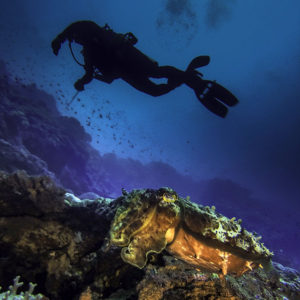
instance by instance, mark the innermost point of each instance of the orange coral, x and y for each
(86, 294)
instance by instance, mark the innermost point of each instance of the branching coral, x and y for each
(12, 292)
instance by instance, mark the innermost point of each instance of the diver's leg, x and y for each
(147, 86)
(175, 76)
(166, 71)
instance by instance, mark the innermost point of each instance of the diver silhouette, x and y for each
(109, 55)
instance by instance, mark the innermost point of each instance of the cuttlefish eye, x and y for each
(169, 197)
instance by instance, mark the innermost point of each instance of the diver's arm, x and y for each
(87, 78)
(56, 43)
(67, 34)
(106, 79)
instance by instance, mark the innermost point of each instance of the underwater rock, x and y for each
(48, 240)
(17, 157)
(176, 281)
(58, 244)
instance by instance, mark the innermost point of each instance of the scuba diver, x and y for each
(109, 55)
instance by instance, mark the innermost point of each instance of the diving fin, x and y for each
(211, 94)
(221, 93)
(213, 105)
(197, 62)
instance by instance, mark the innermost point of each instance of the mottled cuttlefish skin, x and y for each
(142, 224)
(153, 220)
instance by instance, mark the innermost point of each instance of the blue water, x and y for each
(254, 47)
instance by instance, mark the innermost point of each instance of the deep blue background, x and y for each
(254, 47)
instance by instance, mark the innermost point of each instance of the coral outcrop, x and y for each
(58, 241)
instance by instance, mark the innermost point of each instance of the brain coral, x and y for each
(153, 220)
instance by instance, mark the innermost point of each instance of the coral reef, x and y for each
(176, 281)
(57, 241)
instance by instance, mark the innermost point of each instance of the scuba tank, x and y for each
(128, 37)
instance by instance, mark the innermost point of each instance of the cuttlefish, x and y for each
(149, 221)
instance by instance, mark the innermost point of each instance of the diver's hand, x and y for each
(79, 86)
(56, 43)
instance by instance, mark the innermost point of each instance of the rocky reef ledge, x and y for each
(71, 247)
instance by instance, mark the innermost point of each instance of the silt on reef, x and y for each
(150, 221)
